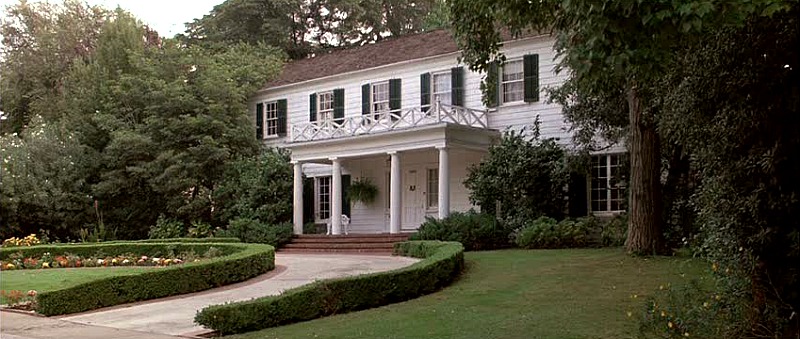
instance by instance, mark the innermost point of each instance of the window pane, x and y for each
(324, 197)
(513, 91)
(433, 187)
(271, 117)
(512, 71)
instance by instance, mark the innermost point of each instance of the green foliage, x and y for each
(476, 231)
(362, 190)
(312, 228)
(166, 228)
(613, 232)
(200, 229)
(257, 187)
(300, 28)
(694, 310)
(254, 231)
(525, 175)
(442, 263)
(546, 232)
(240, 262)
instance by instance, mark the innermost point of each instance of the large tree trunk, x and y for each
(645, 205)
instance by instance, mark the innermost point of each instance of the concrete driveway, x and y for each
(175, 315)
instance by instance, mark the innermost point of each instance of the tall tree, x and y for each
(301, 27)
(609, 49)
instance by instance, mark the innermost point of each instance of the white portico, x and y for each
(415, 157)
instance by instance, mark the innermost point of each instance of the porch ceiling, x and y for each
(430, 136)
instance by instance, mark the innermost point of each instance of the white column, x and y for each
(396, 193)
(298, 197)
(444, 183)
(336, 197)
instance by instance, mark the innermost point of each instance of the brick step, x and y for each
(337, 240)
(337, 250)
(345, 236)
(387, 246)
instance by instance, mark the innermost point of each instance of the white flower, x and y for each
(100, 261)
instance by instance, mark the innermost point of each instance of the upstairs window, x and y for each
(441, 88)
(271, 118)
(380, 100)
(325, 107)
(512, 84)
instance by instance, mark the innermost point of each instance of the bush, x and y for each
(476, 231)
(166, 228)
(525, 175)
(254, 231)
(442, 264)
(546, 232)
(239, 262)
(614, 232)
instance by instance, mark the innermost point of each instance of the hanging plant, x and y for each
(362, 190)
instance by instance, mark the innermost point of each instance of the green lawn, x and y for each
(56, 278)
(517, 294)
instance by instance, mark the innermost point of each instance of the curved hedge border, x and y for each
(239, 262)
(443, 262)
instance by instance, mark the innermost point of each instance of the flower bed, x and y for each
(47, 260)
(233, 263)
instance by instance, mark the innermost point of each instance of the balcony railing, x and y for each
(388, 121)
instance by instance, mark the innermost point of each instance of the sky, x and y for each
(165, 16)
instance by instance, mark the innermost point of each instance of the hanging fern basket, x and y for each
(362, 190)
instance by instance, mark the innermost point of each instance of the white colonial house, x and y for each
(405, 114)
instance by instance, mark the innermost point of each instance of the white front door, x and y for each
(413, 198)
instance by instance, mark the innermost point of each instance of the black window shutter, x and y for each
(365, 99)
(308, 199)
(578, 199)
(425, 91)
(530, 64)
(338, 105)
(394, 97)
(345, 195)
(259, 121)
(457, 86)
(312, 107)
(490, 86)
(282, 117)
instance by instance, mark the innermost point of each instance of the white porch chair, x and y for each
(345, 224)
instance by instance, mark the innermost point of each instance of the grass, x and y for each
(514, 294)
(43, 280)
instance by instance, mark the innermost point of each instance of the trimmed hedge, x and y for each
(443, 262)
(238, 263)
(194, 240)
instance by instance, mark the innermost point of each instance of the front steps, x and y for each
(352, 243)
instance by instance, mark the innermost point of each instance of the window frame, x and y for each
(270, 123)
(449, 92)
(319, 200)
(375, 113)
(609, 165)
(432, 188)
(325, 115)
(520, 81)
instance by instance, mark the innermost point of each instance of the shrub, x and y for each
(442, 264)
(166, 228)
(615, 231)
(200, 229)
(254, 231)
(525, 175)
(239, 262)
(476, 231)
(546, 232)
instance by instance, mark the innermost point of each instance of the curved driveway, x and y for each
(175, 315)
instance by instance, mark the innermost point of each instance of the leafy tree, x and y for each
(40, 42)
(525, 175)
(258, 188)
(612, 51)
(300, 28)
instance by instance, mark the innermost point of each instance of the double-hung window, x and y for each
(433, 188)
(271, 118)
(608, 193)
(512, 85)
(325, 107)
(380, 100)
(441, 88)
(324, 197)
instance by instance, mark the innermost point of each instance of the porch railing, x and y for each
(389, 121)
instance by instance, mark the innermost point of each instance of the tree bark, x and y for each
(645, 212)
